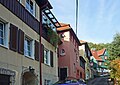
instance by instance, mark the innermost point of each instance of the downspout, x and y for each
(40, 47)
(40, 58)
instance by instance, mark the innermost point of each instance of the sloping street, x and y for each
(98, 81)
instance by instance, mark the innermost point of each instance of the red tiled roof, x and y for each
(101, 52)
(64, 27)
(95, 55)
(67, 27)
(81, 41)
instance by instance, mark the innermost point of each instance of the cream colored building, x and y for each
(49, 49)
(19, 42)
(49, 72)
(86, 54)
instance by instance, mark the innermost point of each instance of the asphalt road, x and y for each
(98, 81)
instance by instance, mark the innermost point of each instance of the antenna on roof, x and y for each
(76, 16)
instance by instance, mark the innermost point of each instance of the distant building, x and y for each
(68, 59)
(101, 57)
(103, 54)
(82, 63)
(86, 54)
(93, 63)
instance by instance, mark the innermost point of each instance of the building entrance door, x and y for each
(4, 79)
(63, 73)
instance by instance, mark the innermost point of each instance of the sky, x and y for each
(98, 20)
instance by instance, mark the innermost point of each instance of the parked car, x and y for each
(68, 81)
(71, 81)
(82, 82)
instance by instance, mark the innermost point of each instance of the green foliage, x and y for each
(115, 69)
(114, 52)
(98, 46)
(53, 36)
(114, 48)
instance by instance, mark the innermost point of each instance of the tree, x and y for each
(114, 48)
(114, 52)
(115, 70)
(98, 46)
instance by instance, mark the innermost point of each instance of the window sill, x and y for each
(47, 65)
(62, 54)
(3, 46)
(29, 57)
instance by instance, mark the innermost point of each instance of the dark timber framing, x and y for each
(19, 10)
(51, 17)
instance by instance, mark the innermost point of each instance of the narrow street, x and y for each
(98, 81)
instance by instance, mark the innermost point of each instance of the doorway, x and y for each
(4, 79)
(63, 73)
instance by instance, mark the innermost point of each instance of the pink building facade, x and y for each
(68, 60)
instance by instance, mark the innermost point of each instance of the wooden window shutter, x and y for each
(13, 37)
(51, 58)
(21, 42)
(42, 53)
(37, 51)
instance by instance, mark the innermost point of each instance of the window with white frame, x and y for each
(30, 6)
(46, 56)
(62, 52)
(3, 34)
(29, 47)
(47, 82)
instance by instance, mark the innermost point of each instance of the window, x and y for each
(47, 82)
(82, 63)
(3, 34)
(46, 56)
(62, 52)
(100, 63)
(44, 19)
(80, 74)
(105, 57)
(28, 47)
(30, 7)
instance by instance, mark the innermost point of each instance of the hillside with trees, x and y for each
(114, 55)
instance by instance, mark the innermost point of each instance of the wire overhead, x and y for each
(76, 15)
